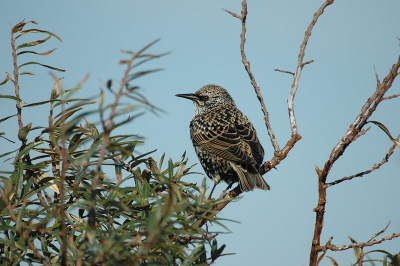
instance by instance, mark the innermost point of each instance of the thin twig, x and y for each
(391, 97)
(284, 71)
(63, 155)
(251, 76)
(362, 132)
(16, 75)
(360, 245)
(375, 167)
(279, 154)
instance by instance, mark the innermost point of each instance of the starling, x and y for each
(225, 140)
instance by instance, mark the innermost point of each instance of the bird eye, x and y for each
(204, 98)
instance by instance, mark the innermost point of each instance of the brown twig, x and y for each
(284, 71)
(362, 132)
(16, 76)
(391, 97)
(279, 154)
(252, 79)
(375, 167)
(359, 245)
(65, 164)
(367, 110)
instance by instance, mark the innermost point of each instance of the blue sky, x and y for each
(276, 227)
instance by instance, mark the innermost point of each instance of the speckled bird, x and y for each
(225, 140)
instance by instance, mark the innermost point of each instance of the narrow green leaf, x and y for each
(217, 253)
(382, 126)
(28, 185)
(380, 251)
(161, 161)
(7, 79)
(356, 249)
(7, 153)
(8, 227)
(36, 63)
(203, 256)
(29, 44)
(27, 149)
(5, 118)
(214, 246)
(33, 52)
(12, 97)
(333, 261)
(19, 179)
(143, 73)
(170, 169)
(76, 106)
(70, 100)
(21, 213)
(21, 25)
(41, 103)
(65, 117)
(150, 57)
(196, 253)
(1, 136)
(38, 31)
(36, 166)
(27, 73)
(148, 46)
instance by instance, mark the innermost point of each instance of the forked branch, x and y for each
(349, 137)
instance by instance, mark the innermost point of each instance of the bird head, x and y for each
(208, 97)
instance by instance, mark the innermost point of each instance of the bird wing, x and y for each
(234, 143)
(248, 134)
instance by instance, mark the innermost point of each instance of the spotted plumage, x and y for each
(225, 140)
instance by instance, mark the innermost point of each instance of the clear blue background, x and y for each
(276, 227)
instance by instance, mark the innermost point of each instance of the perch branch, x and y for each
(279, 154)
(251, 76)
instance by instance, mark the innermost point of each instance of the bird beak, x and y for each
(189, 96)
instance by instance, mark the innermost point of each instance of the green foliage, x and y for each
(59, 205)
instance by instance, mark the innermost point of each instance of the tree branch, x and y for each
(251, 76)
(350, 136)
(375, 167)
(359, 245)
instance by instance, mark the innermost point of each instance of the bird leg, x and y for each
(230, 186)
(212, 190)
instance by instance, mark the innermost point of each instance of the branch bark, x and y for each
(350, 136)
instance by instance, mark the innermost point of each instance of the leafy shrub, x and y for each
(59, 206)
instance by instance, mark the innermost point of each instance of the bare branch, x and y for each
(352, 133)
(378, 82)
(391, 97)
(279, 154)
(360, 245)
(366, 112)
(375, 167)
(300, 66)
(308, 62)
(251, 76)
(284, 71)
(233, 14)
(362, 132)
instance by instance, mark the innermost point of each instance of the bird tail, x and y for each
(260, 183)
(248, 181)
